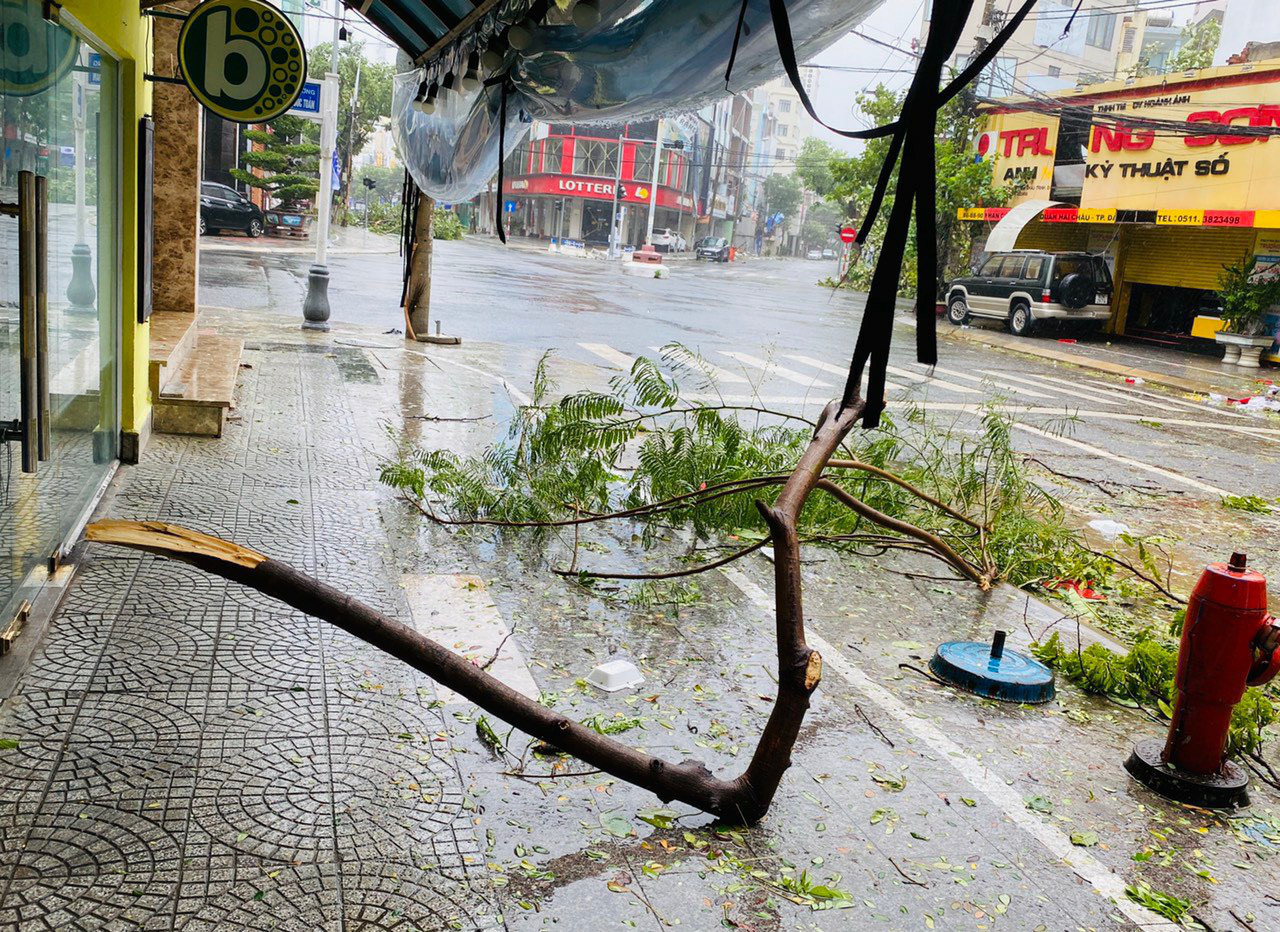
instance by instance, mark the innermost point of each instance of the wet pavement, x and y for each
(185, 753)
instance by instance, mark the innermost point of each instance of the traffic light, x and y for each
(370, 183)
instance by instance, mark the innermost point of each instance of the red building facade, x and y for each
(562, 185)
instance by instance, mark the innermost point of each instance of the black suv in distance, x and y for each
(715, 248)
(223, 208)
(1028, 285)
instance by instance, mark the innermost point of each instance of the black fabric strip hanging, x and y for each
(502, 151)
(914, 137)
(737, 37)
(786, 51)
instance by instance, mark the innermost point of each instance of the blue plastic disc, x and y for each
(1012, 677)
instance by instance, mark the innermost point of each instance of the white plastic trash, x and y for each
(1108, 528)
(615, 675)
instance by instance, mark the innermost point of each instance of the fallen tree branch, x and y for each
(1149, 580)
(710, 493)
(903, 483)
(667, 574)
(746, 797)
(902, 527)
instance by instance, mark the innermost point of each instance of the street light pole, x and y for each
(653, 188)
(614, 233)
(315, 306)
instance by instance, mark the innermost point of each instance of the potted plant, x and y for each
(1246, 296)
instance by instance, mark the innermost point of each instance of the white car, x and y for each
(668, 240)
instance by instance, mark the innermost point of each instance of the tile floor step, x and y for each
(173, 337)
(197, 397)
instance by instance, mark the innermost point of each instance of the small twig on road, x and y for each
(437, 417)
(1237, 918)
(548, 776)
(501, 644)
(907, 877)
(1154, 583)
(925, 673)
(669, 574)
(872, 725)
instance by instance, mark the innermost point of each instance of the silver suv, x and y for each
(1027, 286)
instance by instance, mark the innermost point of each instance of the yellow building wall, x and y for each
(121, 27)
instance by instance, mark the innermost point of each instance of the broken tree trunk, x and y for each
(417, 296)
(746, 797)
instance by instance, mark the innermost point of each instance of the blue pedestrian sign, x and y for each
(308, 102)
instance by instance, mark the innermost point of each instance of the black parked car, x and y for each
(715, 248)
(223, 208)
(1027, 286)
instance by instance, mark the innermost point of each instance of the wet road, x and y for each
(1158, 461)
(937, 809)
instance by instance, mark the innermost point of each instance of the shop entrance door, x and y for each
(59, 294)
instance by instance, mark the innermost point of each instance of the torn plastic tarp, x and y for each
(645, 58)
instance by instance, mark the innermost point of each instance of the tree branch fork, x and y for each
(745, 798)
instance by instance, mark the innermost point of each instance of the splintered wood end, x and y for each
(171, 540)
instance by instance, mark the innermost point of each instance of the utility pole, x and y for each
(653, 188)
(315, 306)
(351, 130)
(614, 233)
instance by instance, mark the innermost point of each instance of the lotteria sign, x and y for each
(596, 188)
(242, 59)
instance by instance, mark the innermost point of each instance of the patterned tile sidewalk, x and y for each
(193, 755)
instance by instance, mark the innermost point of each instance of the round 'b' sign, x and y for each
(243, 59)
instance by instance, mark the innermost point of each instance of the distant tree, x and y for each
(388, 181)
(821, 223)
(782, 195)
(1197, 46)
(813, 165)
(961, 182)
(373, 102)
(289, 164)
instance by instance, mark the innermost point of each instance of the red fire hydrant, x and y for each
(1228, 642)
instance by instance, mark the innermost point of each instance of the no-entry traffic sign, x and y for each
(848, 234)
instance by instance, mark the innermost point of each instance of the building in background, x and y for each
(787, 124)
(561, 183)
(1149, 173)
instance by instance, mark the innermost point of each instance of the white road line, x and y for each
(610, 355)
(1116, 457)
(996, 382)
(1034, 383)
(843, 373)
(1260, 433)
(1105, 882)
(932, 380)
(517, 396)
(720, 375)
(770, 368)
(458, 612)
(1201, 406)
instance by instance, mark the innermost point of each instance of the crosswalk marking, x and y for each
(836, 370)
(772, 368)
(1199, 406)
(1115, 457)
(932, 380)
(720, 375)
(609, 355)
(996, 382)
(1061, 389)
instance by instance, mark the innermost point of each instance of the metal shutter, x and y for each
(1054, 237)
(1184, 257)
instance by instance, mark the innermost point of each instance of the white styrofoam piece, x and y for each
(615, 675)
